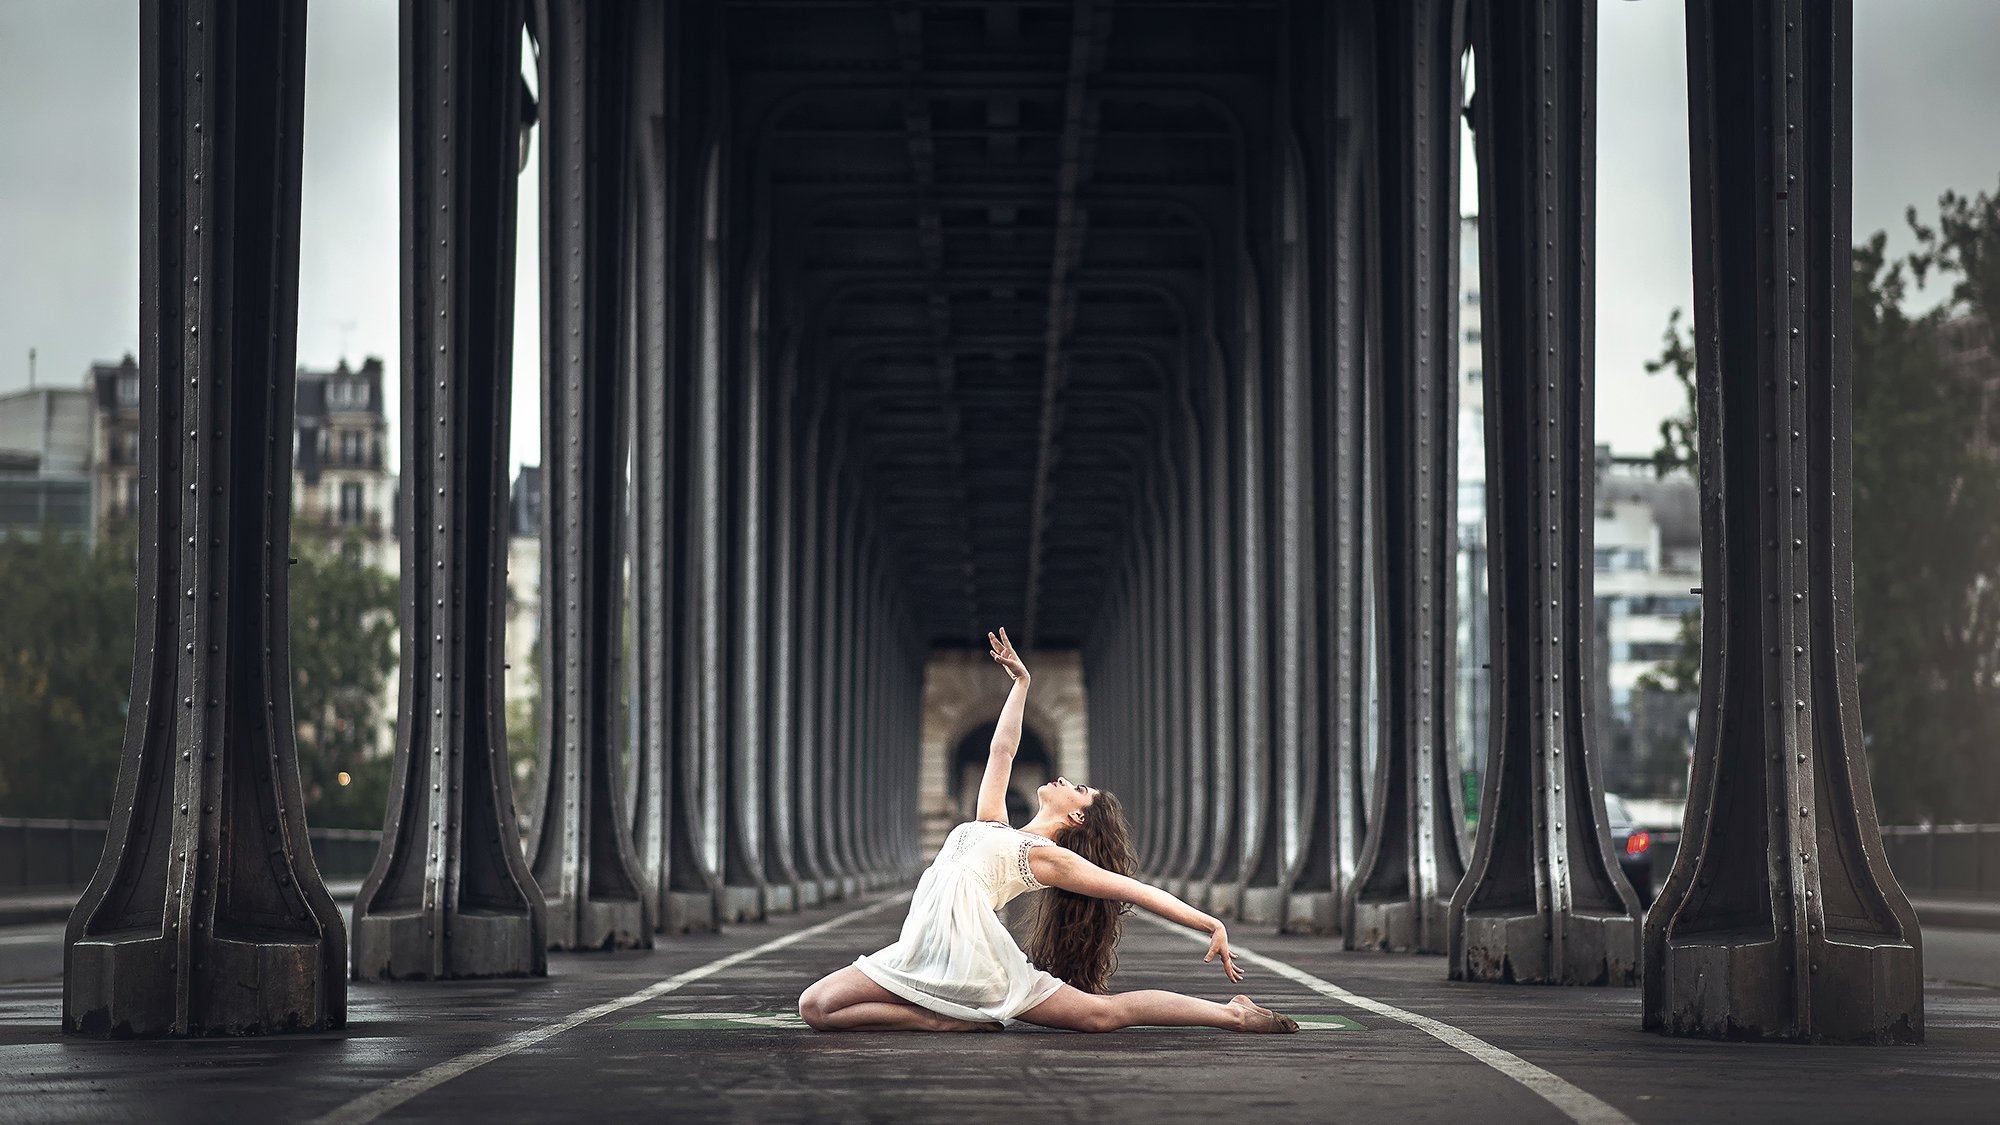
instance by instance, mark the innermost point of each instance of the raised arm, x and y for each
(1060, 867)
(1006, 735)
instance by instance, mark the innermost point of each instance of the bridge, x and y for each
(870, 326)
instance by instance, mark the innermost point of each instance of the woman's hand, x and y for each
(1218, 942)
(1004, 655)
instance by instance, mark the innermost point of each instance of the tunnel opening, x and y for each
(1032, 768)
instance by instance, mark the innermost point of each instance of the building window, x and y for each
(1472, 335)
(1473, 374)
(347, 394)
(350, 502)
(131, 489)
(351, 447)
(1472, 296)
(128, 390)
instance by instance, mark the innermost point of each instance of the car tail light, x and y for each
(1637, 843)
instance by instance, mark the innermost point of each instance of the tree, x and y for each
(65, 673)
(1926, 520)
(343, 616)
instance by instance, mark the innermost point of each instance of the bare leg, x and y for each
(1075, 1010)
(846, 1000)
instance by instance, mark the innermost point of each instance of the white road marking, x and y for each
(1573, 1101)
(374, 1104)
(52, 937)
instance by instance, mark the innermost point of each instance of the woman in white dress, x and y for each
(956, 968)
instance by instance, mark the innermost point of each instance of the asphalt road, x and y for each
(702, 1029)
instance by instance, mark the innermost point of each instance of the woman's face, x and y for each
(1063, 797)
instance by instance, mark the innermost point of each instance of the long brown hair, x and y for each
(1075, 936)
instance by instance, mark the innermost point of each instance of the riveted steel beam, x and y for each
(747, 894)
(450, 896)
(1544, 901)
(206, 915)
(781, 750)
(1090, 28)
(1411, 861)
(1780, 919)
(1326, 105)
(583, 856)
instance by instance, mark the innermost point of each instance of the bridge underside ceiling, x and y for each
(1002, 230)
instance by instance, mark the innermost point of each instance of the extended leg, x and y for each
(1075, 1010)
(846, 1000)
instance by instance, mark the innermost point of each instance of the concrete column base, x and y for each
(1398, 926)
(1312, 912)
(781, 898)
(1740, 984)
(611, 924)
(1259, 906)
(742, 904)
(403, 946)
(1519, 948)
(689, 912)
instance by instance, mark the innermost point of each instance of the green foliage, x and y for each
(343, 614)
(65, 673)
(1927, 529)
(1926, 521)
(1682, 674)
(1677, 438)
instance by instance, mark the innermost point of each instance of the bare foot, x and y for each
(946, 1023)
(1261, 1020)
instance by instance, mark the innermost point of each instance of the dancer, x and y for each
(956, 968)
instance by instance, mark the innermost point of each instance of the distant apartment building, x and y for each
(340, 480)
(45, 462)
(1647, 562)
(524, 583)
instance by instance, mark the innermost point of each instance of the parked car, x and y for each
(1634, 846)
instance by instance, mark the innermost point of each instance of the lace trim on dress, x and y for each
(1021, 859)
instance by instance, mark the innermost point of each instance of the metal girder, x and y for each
(679, 778)
(747, 891)
(583, 856)
(1326, 104)
(1090, 27)
(1780, 919)
(908, 20)
(450, 895)
(1411, 860)
(1544, 901)
(206, 915)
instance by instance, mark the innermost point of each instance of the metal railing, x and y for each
(1946, 860)
(53, 855)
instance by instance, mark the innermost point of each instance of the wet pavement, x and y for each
(703, 1029)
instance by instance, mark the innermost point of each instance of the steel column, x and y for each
(450, 895)
(1220, 853)
(740, 522)
(1411, 861)
(1780, 919)
(206, 915)
(1544, 901)
(583, 856)
(676, 781)
(781, 750)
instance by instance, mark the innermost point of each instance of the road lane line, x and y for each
(374, 1104)
(53, 936)
(1573, 1101)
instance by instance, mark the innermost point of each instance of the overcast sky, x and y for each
(1927, 118)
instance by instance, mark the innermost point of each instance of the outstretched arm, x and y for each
(1006, 735)
(1060, 867)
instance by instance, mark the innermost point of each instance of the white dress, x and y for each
(955, 956)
